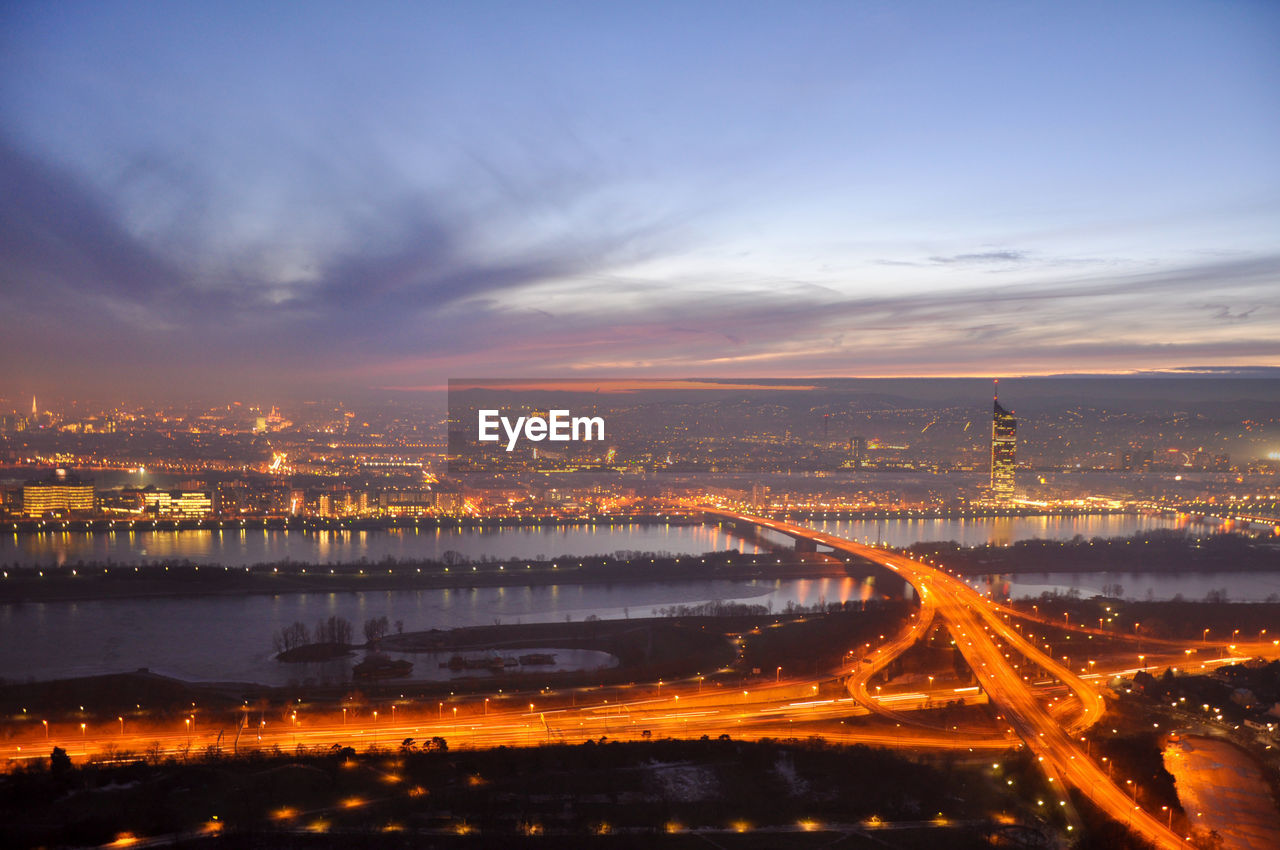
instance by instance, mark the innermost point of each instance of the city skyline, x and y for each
(598, 424)
(341, 201)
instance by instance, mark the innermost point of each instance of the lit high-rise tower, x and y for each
(1004, 439)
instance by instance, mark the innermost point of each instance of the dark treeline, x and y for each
(449, 558)
(1162, 550)
(174, 578)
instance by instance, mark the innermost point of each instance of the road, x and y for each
(982, 635)
(1014, 673)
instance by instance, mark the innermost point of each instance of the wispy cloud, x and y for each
(982, 258)
(421, 286)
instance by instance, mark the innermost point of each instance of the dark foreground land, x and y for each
(667, 793)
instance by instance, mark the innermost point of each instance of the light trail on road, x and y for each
(784, 708)
(974, 624)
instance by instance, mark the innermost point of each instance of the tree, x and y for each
(292, 636)
(334, 630)
(59, 761)
(375, 629)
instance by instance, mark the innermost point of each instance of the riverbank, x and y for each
(1161, 551)
(82, 582)
(105, 525)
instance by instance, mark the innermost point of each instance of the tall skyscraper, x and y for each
(1004, 439)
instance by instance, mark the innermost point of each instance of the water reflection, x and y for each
(230, 638)
(266, 546)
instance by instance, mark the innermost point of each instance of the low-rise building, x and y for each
(61, 493)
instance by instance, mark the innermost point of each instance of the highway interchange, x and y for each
(1043, 702)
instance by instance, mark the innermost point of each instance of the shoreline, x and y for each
(162, 582)
(107, 525)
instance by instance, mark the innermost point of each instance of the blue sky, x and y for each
(329, 197)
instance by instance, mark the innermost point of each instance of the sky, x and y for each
(242, 198)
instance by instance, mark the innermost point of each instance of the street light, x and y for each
(778, 676)
(46, 729)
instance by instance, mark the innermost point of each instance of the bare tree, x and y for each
(375, 629)
(292, 636)
(334, 630)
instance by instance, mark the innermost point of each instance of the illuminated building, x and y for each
(190, 504)
(155, 501)
(411, 501)
(1004, 439)
(59, 492)
(449, 501)
(12, 423)
(183, 504)
(419, 500)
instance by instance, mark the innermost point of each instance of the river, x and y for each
(47, 640)
(240, 548)
(57, 639)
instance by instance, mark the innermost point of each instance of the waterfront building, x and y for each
(61, 493)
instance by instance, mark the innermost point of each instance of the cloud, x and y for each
(984, 258)
(411, 275)
(413, 285)
(1222, 313)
